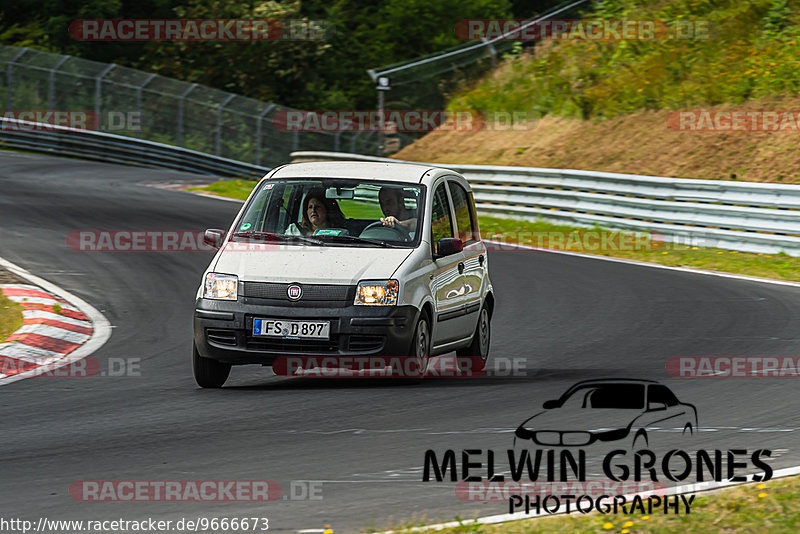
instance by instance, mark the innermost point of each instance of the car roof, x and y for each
(378, 171)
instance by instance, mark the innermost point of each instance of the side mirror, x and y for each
(448, 246)
(656, 406)
(213, 237)
(549, 405)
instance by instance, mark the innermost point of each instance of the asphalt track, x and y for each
(568, 318)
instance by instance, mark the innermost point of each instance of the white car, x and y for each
(342, 260)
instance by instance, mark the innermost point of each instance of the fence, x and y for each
(746, 216)
(135, 104)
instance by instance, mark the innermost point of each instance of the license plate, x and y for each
(292, 329)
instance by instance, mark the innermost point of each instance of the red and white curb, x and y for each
(48, 339)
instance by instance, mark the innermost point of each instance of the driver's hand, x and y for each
(389, 221)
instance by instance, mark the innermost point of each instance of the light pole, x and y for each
(382, 84)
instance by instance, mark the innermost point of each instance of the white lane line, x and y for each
(101, 326)
(54, 332)
(216, 196)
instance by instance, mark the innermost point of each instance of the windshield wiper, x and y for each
(256, 233)
(259, 235)
(355, 239)
(302, 239)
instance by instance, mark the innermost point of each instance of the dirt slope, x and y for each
(639, 143)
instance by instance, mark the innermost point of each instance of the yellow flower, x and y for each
(762, 495)
(761, 486)
(695, 248)
(608, 526)
(625, 531)
(627, 524)
(645, 518)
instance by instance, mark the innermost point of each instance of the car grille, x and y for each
(294, 346)
(314, 292)
(563, 438)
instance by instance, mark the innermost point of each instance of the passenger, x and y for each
(394, 209)
(318, 213)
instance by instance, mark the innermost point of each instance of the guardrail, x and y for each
(745, 216)
(102, 146)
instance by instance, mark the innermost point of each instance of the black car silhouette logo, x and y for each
(608, 410)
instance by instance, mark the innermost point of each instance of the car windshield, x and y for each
(336, 212)
(616, 396)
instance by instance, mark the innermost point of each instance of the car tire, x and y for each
(209, 373)
(479, 348)
(421, 347)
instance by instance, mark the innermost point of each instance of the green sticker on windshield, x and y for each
(245, 226)
(327, 231)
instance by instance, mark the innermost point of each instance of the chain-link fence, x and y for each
(138, 104)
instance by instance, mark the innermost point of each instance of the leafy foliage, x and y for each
(750, 50)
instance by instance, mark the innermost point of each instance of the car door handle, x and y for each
(461, 267)
(481, 259)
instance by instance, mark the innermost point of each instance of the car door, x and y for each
(474, 272)
(446, 280)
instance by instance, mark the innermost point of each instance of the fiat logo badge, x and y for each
(294, 291)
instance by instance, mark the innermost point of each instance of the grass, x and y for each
(773, 507)
(10, 317)
(604, 79)
(547, 235)
(239, 189)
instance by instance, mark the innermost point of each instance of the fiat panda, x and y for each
(346, 262)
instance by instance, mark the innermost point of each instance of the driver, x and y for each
(318, 213)
(394, 209)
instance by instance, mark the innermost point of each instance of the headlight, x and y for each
(377, 293)
(221, 286)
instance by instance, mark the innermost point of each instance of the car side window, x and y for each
(661, 394)
(465, 221)
(441, 222)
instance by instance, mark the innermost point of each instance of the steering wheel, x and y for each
(399, 230)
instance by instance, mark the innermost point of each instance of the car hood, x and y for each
(331, 264)
(584, 419)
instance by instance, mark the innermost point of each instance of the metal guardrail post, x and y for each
(51, 93)
(258, 131)
(180, 112)
(10, 78)
(139, 101)
(218, 144)
(98, 88)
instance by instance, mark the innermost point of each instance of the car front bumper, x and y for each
(223, 331)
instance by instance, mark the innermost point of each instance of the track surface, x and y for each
(569, 318)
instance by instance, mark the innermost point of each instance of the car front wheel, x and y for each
(209, 373)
